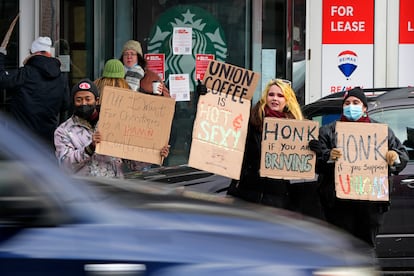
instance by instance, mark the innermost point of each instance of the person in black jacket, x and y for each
(361, 218)
(278, 100)
(40, 93)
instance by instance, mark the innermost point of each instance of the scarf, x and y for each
(272, 113)
(364, 119)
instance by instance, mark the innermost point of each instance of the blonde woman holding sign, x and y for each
(279, 101)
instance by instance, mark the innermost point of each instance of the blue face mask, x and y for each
(353, 112)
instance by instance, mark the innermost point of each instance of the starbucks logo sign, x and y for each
(207, 38)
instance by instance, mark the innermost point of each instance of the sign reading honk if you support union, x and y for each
(361, 173)
(220, 127)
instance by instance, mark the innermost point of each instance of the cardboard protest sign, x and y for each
(285, 148)
(220, 127)
(219, 136)
(362, 172)
(134, 126)
(230, 82)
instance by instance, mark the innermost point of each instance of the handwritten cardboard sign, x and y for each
(135, 126)
(285, 148)
(219, 136)
(220, 127)
(230, 81)
(362, 172)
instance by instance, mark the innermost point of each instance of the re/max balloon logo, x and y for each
(347, 62)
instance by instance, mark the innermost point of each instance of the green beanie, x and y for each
(114, 69)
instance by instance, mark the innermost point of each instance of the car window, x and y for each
(401, 121)
(326, 118)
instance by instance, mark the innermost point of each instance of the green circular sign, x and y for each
(207, 38)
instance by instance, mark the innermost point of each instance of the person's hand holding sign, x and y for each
(392, 157)
(165, 151)
(96, 138)
(315, 146)
(201, 88)
(335, 154)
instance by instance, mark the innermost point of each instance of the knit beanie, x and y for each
(85, 85)
(42, 43)
(133, 45)
(358, 93)
(114, 69)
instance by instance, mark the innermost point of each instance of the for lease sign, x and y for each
(347, 45)
(406, 43)
(406, 22)
(348, 22)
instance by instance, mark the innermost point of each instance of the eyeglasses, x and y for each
(129, 55)
(288, 82)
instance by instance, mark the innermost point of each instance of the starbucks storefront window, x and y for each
(219, 31)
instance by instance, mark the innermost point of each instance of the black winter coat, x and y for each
(326, 169)
(40, 94)
(252, 186)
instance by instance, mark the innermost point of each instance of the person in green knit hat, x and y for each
(113, 75)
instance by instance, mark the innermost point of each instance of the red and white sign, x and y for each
(347, 45)
(348, 22)
(202, 61)
(156, 63)
(406, 43)
(406, 21)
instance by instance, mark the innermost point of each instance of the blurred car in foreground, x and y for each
(394, 107)
(303, 194)
(53, 224)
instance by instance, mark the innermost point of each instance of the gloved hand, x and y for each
(391, 156)
(3, 51)
(315, 146)
(335, 154)
(201, 88)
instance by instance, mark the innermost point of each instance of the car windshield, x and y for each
(401, 121)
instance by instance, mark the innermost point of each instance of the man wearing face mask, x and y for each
(360, 218)
(76, 138)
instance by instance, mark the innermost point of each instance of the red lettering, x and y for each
(348, 184)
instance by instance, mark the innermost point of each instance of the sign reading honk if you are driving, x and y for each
(285, 148)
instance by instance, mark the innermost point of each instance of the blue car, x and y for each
(54, 224)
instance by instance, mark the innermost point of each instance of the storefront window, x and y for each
(299, 49)
(219, 29)
(76, 40)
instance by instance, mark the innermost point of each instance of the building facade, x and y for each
(322, 46)
(266, 36)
